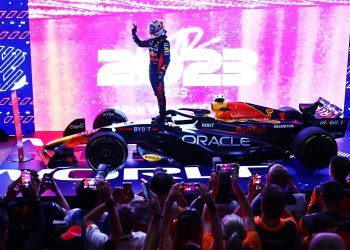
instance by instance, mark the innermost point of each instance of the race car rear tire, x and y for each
(106, 148)
(108, 117)
(314, 147)
(292, 113)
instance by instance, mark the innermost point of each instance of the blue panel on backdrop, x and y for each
(15, 65)
(347, 90)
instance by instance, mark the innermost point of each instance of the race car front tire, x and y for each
(106, 148)
(314, 147)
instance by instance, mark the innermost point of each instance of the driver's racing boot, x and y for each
(159, 119)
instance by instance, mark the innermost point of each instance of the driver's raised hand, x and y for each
(134, 29)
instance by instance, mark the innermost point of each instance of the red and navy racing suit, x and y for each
(159, 54)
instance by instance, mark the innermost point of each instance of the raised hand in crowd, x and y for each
(48, 183)
(253, 191)
(174, 193)
(33, 189)
(95, 237)
(123, 195)
(153, 232)
(168, 216)
(16, 187)
(154, 205)
(211, 222)
(244, 205)
(234, 233)
(214, 183)
(13, 190)
(104, 192)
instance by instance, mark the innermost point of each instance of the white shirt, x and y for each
(75, 217)
(133, 241)
(97, 239)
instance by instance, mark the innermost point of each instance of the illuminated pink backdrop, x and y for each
(274, 57)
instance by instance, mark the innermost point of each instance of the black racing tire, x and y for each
(106, 148)
(108, 117)
(314, 147)
(292, 113)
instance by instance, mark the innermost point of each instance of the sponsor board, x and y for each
(151, 157)
(128, 173)
(283, 126)
(251, 130)
(224, 141)
(142, 129)
(77, 126)
(332, 122)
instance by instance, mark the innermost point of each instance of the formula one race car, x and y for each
(236, 131)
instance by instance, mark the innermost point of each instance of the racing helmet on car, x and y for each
(219, 104)
(156, 29)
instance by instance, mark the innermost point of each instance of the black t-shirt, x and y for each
(323, 221)
(319, 222)
(30, 223)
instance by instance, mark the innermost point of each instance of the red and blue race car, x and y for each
(234, 131)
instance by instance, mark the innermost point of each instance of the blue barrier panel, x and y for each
(347, 90)
(15, 65)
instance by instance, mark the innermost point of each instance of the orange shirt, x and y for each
(341, 225)
(282, 236)
(252, 240)
(315, 204)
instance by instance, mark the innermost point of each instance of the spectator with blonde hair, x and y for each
(295, 202)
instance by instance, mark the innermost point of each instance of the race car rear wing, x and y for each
(321, 109)
(308, 109)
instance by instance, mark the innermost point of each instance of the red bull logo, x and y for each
(251, 130)
(239, 110)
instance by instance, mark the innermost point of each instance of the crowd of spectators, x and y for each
(174, 215)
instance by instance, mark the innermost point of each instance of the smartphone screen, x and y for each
(90, 183)
(25, 178)
(257, 181)
(225, 168)
(190, 187)
(47, 179)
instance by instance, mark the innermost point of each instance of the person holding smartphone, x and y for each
(31, 219)
(238, 232)
(278, 175)
(188, 227)
(220, 187)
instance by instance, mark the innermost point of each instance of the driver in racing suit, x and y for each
(159, 52)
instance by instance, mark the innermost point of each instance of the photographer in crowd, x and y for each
(278, 175)
(30, 218)
(339, 169)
